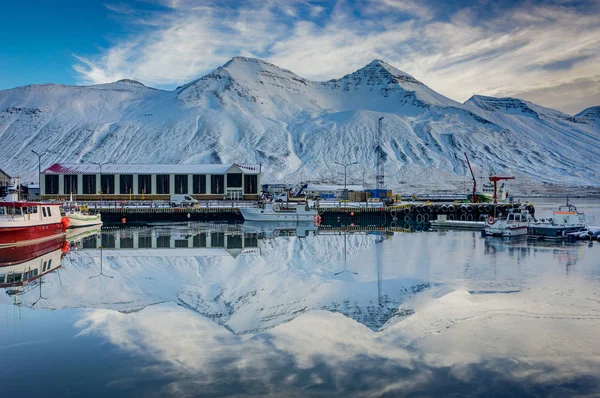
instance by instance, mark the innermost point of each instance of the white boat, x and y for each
(443, 223)
(279, 212)
(565, 220)
(514, 224)
(79, 217)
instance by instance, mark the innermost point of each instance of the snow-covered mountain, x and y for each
(246, 294)
(251, 111)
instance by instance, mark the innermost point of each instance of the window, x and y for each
(234, 242)
(70, 185)
(89, 242)
(234, 180)
(125, 184)
(217, 239)
(163, 241)
(108, 241)
(1, 278)
(2, 211)
(107, 183)
(199, 181)
(217, 183)
(163, 184)
(181, 243)
(51, 186)
(49, 264)
(181, 184)
(13, 278)
(89, 185)
(199, 240)
(250, 241)
(49, 212)
(44, 267)
(144, 184)
(144, 242)
(251, 184)
(126, 242)
(44, 212)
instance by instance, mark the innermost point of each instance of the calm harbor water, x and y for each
(285, 310)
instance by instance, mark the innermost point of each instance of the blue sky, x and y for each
(543, 51)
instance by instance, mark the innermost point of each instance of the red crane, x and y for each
(474, 197)
(495, 180)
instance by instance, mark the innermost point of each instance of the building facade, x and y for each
(150, 181)
(4, 179)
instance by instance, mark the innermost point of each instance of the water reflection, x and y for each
(291, 310)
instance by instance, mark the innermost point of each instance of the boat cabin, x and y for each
(568, 215)
(29, 211)
(513, 218)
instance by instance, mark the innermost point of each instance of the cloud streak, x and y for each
(504, 49)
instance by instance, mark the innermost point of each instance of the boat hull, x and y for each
(258, 214)
(84, 221)
(551, 232)
(507, 232)
(14, 255)
(12, 236)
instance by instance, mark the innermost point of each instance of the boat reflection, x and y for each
(22, 267)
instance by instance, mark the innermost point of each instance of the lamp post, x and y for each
(345, 261)
(345, 174)
(101, 273)
(100, 176)
(39, 169)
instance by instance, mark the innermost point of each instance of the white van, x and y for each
(182, 201)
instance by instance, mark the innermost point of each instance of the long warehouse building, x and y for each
(150, 181)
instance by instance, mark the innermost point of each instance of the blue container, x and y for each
(378, 193)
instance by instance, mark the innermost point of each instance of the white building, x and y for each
(150, 181)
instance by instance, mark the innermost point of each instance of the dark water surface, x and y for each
(252, 310)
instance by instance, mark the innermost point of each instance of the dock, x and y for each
(342, 214)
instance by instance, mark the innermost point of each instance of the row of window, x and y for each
(163, 184)
(17, 277)
(21, 211)
(164, 241)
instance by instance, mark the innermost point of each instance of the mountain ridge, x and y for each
(253, 111)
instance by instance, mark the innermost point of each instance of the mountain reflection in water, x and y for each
(248, 310)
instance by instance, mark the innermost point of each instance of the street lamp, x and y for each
(100, 175)
(101, 273)
(345, 174)
(39, 168)
(345, 261)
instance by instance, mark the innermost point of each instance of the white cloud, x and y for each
(525, 50)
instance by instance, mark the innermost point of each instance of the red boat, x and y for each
(17, 254)
(24, 223)
(31, 262)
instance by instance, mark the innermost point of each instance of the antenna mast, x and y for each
(379, 176)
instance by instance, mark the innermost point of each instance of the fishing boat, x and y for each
(34, 264)
(79, 216)
(279, 212)
(514, 224)
(29, 222)
(565, 220)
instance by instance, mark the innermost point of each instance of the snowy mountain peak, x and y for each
(590, 115)
(130, 81)
(510, 105)
(381, 67)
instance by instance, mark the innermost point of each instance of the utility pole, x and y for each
(345, 175)
(379, 176)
